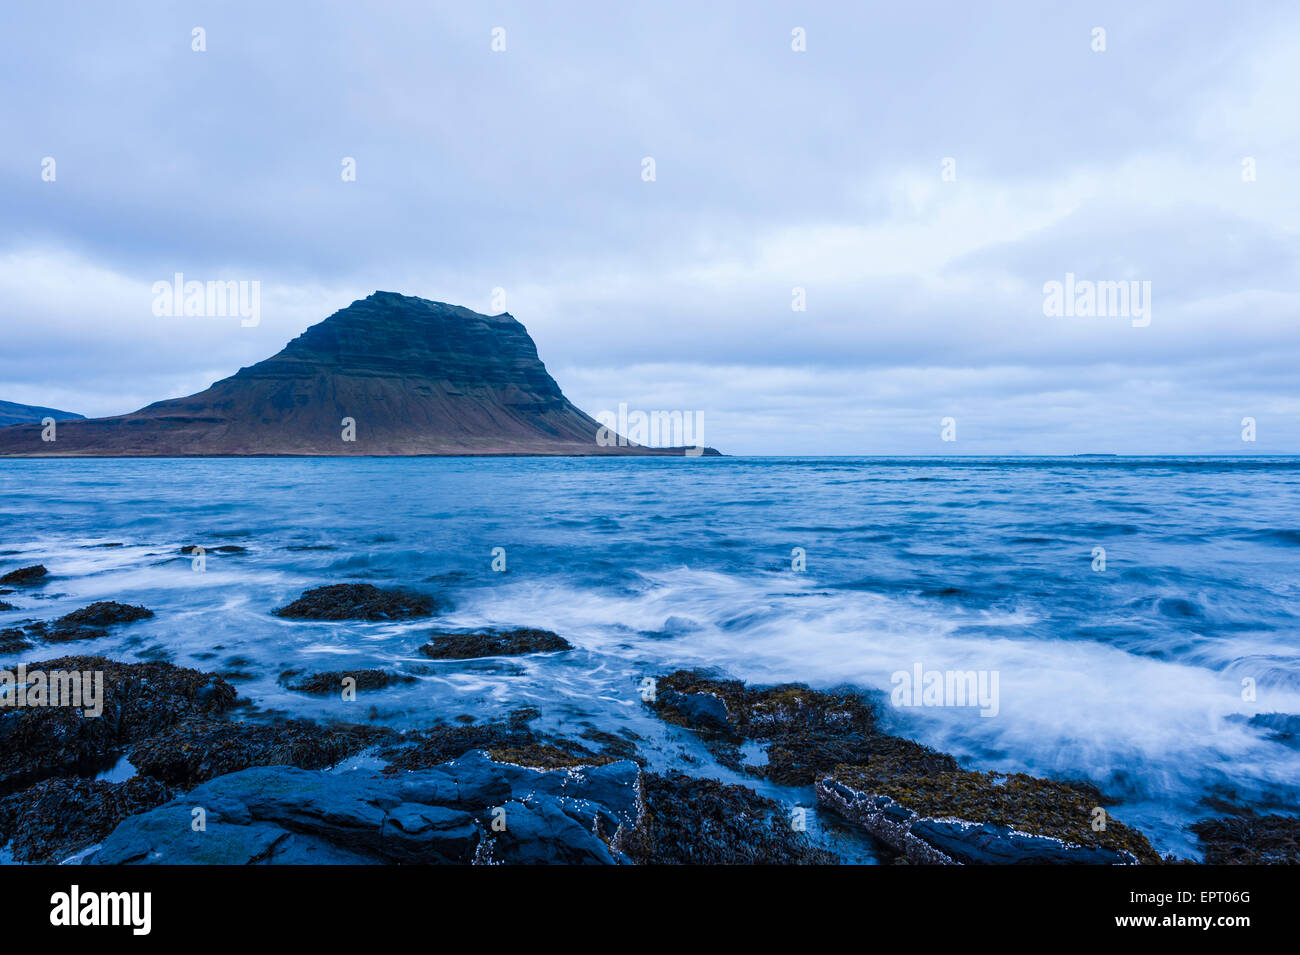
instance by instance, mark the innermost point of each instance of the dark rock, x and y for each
(88, 623)
(470, 810)
(325, 684)
(968, 818)
(612, 745)
(140, 700)
(1283, 727)
(690, 821)
(13, 640)
(188, 549)
(546, 756)
(510, 741)
(198, 750)
(357, 602)
(805, 732)
(56, 817)
(25, 575)
(103, 613)
(55, 634)
(698, 709)
(505, 643)
(7, 606)
(1250, 839)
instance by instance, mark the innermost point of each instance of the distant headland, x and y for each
(388, 375)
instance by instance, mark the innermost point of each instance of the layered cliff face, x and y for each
(410, 376)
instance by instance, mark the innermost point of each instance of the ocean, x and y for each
(1140, 675)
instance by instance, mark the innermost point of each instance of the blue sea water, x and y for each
(1131, 676)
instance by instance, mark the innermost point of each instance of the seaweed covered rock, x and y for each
(689, 821)
(1249, 839)
(506, 741)
(104, 613)
(493, 643)
(24, 576)
(88, 623)
(472, 810)
(324, 684)
(198, 750)
(14, 640)
(357, 602)
(804, 732)
(139, 700)
(968, 818)
(51, 820)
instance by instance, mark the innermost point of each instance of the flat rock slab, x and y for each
(966, 818)
(470, 810)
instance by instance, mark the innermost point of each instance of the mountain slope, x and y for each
(414, 377)
(13, 413)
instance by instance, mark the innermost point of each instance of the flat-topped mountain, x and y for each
(13, 413)
(388, 375)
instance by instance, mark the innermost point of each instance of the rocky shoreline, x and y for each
(208, 778)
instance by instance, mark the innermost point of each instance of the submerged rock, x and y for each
(968, 818)
(13, 640)
(25, 575)
(7, 606)
(804, 732)
(493, 643)
(1250, 839)
(324, 684)
(357, 602)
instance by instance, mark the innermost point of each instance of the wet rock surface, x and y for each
(88, 623)
(690, 821)
(1249, 839)
(332, 682)
(55, 818)
(278, 791)
(493, 643)
(196, 751)
(804, 732)
(507, 741)
(968, 818)
(139, 700)
(357, 602)
(24, 576)
(103, 613)
(471, 810)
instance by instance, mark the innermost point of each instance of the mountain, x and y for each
(13, 413)
(412, 376)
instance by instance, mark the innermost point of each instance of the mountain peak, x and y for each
(407, 375)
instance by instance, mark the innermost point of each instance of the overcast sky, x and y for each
(775, 169)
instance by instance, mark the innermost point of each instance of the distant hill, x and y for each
(13, 413)
(412, 376)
